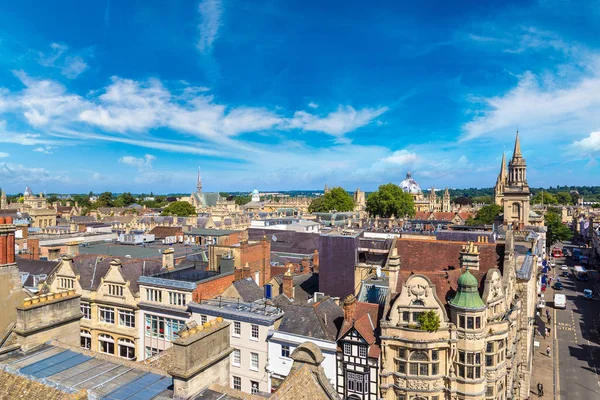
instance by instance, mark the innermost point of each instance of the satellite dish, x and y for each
(378, 271)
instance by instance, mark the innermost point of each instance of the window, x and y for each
(153, 295)
(163, 328)
(106, 314)
(115, 290)
(237, 383)
(203, 319)
(356, 382)
(106, 344)
(489, 361)
(285, 351)
(489, 391)
(237, 328)
(415, 316)
(470, 323)
(254, 361)
(151, 351)
(237, 357)
(400, 397)
(347, 349)
(435, 355)
(127, 318)
(401, 367)
(126, 349)
(477, 322)
(66, 283)
(362, 351)
(461, 321)
(86, 310)
(253, 387)
(469, 364)
(489, 347)
(405, 316)
(254, 331)
(419, 368)
(86, 339)
(177, 299)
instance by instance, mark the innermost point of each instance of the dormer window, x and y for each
(66, 283)
(115, 290)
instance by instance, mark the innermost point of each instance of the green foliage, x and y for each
(596, 205)
(224, 194)
(336, 199)
(483, 199)
(557, 231)
(549, 198)
(463, 201)
(429, 321)
(104, 200)
(390, 200)
(124, 200)
(485, 215)
(564, 198)
(180, 209)
(52, 199)
(241, 200)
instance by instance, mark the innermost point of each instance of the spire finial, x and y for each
(517, 150)
(199, 183)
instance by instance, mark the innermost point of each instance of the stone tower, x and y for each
(446, 207)
(516, 194)
(500, 182)
(432, 200)
(199, 183)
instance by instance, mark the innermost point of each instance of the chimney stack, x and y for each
(469, 256)
(349, 308)
(246, 273)
(168, 258)
(393, 265)
(288, 285)
(7, 241)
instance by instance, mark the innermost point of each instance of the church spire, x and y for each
(199, 184)
(517, 150)
(503, 167)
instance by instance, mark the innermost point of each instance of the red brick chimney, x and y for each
(7, 241)
(349, 308)
(316, 261)
(288, 284)
(305, 266)
(246, 273)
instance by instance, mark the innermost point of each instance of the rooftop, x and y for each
(238, 309)
(150, 250)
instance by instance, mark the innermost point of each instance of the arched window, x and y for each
(86, 339)
(417, 303)
(106, 344)
(419, 363)
(127, 349)
(516, 209)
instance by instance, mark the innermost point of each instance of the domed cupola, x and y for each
(409, 185)
(467, 296)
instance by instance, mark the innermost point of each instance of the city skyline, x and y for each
(112, 97)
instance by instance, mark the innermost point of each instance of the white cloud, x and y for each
(210, 22)
(45, 150)
(70, 66)
(17, 173)
(401, 158)
(96, 176)
(590, 144)
(313, 105)
(540, 107)
(141, 163)
(4, 155)
(337, 123)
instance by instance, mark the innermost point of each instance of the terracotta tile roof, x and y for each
(366, 323)
(422, 215)
(464, 215)
(161, 232)
(443, 216)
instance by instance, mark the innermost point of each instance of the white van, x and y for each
(560, 301)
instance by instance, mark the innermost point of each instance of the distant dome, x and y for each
(255, 191)
(409, 185)
(28, 191)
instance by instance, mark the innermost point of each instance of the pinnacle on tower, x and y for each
(199, 184)
(517, 150)
(503, 167)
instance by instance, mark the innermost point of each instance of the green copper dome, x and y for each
(467, 296)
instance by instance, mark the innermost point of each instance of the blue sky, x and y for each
(135, 96)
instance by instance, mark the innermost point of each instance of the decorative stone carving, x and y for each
(418, 385)
(471, 336)
(400, 382)
(419, 291)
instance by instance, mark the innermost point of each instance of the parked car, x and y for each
(560, 301)
(541, 303)
(588, 294)
(565, 273)
(558, 286)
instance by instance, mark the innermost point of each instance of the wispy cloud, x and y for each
(45, 150)
(588, 145)
(3, 154)
(143, 162)
(71, 66)
(210, 21)
(17, 173)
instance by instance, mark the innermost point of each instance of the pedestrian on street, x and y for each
(548, 351)
(548, 315)
(546, 333)
(549, 319)
(540, 389)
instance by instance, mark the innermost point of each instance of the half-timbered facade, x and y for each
(358, 351)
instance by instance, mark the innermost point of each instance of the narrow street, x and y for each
(575, 331)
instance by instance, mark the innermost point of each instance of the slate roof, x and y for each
(35, 267)
(305, 286)
(320, 320)
(82, 219)
(91, 272)
(248, 289)
(287, 241)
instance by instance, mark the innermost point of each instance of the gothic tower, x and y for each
(500, 182)
(199, 183)
(516, 194)
(446, 207)
(432, 200)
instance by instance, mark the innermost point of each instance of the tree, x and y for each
(463, 201)
(124, 200)
(563, 198)
(485, 215)
(482, 200)
(557, 231)
(429, 321)
(105, 200)
(241, 200)
(180, 209)
(390, 200)
(549, 198)
(336, 199)
(52, 199)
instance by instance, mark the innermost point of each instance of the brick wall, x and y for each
(212, 287)
(258, 257)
